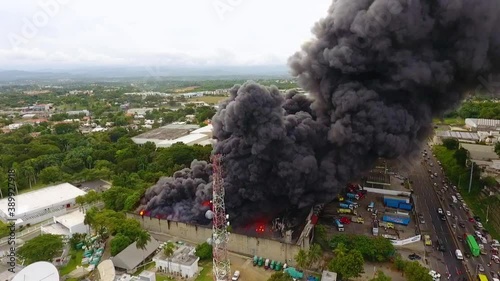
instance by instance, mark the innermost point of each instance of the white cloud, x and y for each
(189, 32)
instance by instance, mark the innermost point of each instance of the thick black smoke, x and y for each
(378, 71)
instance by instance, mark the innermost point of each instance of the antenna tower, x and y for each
(222, 269)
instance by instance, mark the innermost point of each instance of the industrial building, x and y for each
(183, 262)
(475, 124)
(67, 225)
(42, 204)
(129, 259)
(41, 270)
(170, 134)
(468, 137)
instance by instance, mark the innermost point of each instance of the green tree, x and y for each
(302, 259)
(204, 251)
(41, 248)
(280, 276)
(65, 128)
(497, 148)
(349, 265)
(380, 276)
(168, 250)
(314, 254)
(142, 240)
(320, 235)
(416, 272)
(119, 243)
(451, 143)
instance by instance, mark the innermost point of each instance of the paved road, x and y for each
(427, 204)
(461, 216)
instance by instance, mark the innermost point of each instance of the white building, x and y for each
(41, 204)
(475, 124)
(67, 225)
(183, 262)
(29, 116)
(168, 135)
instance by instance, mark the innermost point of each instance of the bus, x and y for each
(482, 277)
(454, 199)
(473, 246)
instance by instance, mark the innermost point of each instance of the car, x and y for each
(454, 225)
(435, 276)
(480, 225)
(427, 240)
(493, 275)
(236, 275)
(480, 267)
(471, 220)
(345, 220)
(476, 227)
(461, 224)
(420, 215)
(440, 211)
(422, 221)
(443, 217)
(478, 219)
(414, 257)
(459, 237)
(448, 213)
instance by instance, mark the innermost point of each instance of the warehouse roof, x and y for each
(71, 219)
(187, 139)
(458, 135)
(42, 198)
(131, 257)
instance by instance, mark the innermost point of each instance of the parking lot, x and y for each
(330, 213)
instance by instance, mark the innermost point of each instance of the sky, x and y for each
(51, 34)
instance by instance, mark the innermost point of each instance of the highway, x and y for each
(427, 203)
(457, 210)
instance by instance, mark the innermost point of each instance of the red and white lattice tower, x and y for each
(222, 269)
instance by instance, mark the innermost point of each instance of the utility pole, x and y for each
(471, 172)
(487, 212)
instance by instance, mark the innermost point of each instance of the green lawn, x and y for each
(160, 277)
(450, 121)
(206, 273)
(76, 259)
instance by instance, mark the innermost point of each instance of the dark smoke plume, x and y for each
(377, 71)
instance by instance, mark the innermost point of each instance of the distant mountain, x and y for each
(97, 73)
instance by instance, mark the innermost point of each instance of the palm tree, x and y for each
(301, 259)
(315, 254)
(168, 250)
(143, 238)
(340, 250)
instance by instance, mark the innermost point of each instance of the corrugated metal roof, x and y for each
(131, 257)
(458, 135)
(478, 122)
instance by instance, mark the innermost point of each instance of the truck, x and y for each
(346, 206)
(387, 225)
(354, 204)
(371, 207)
(353, 196)
(340, 226)
(357, 219)
(346, 211)
(472, 244)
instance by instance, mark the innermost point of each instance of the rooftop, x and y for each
(131, 257)
(187, 139)
(184, 255)
(71, 219)
(42, 198)
(56, 229)
(475, 122)
(41, 270)
(458, 135)
(168, 132)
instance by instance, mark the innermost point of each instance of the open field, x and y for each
(186, 89)
(209, 99)
(450, 121)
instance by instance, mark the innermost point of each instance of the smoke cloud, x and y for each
(377, 72)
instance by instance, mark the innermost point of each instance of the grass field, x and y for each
(209, 99)
(450, 121)
(73, 263)
(206, 273)
(186, 89)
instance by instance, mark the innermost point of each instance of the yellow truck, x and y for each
(357, 220)
(346, 211)
(427, 240)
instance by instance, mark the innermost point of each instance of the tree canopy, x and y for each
(204, 251)
(347, 264)
(280, 276)
(41, 248)
(377, 249)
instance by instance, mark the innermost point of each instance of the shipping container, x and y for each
(397, 198)
(396, 220)
(405, 206)
(352, 196)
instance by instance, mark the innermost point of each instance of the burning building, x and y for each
(377, 72)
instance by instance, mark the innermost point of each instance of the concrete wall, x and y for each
(241, 244)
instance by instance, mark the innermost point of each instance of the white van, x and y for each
(459, 255)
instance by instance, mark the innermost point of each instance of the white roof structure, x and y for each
(470, 136)
(71, 219)
(187, 139)
(106, 271)
(42, 198)
(207, 130)
(41, 270)
(482, 123)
